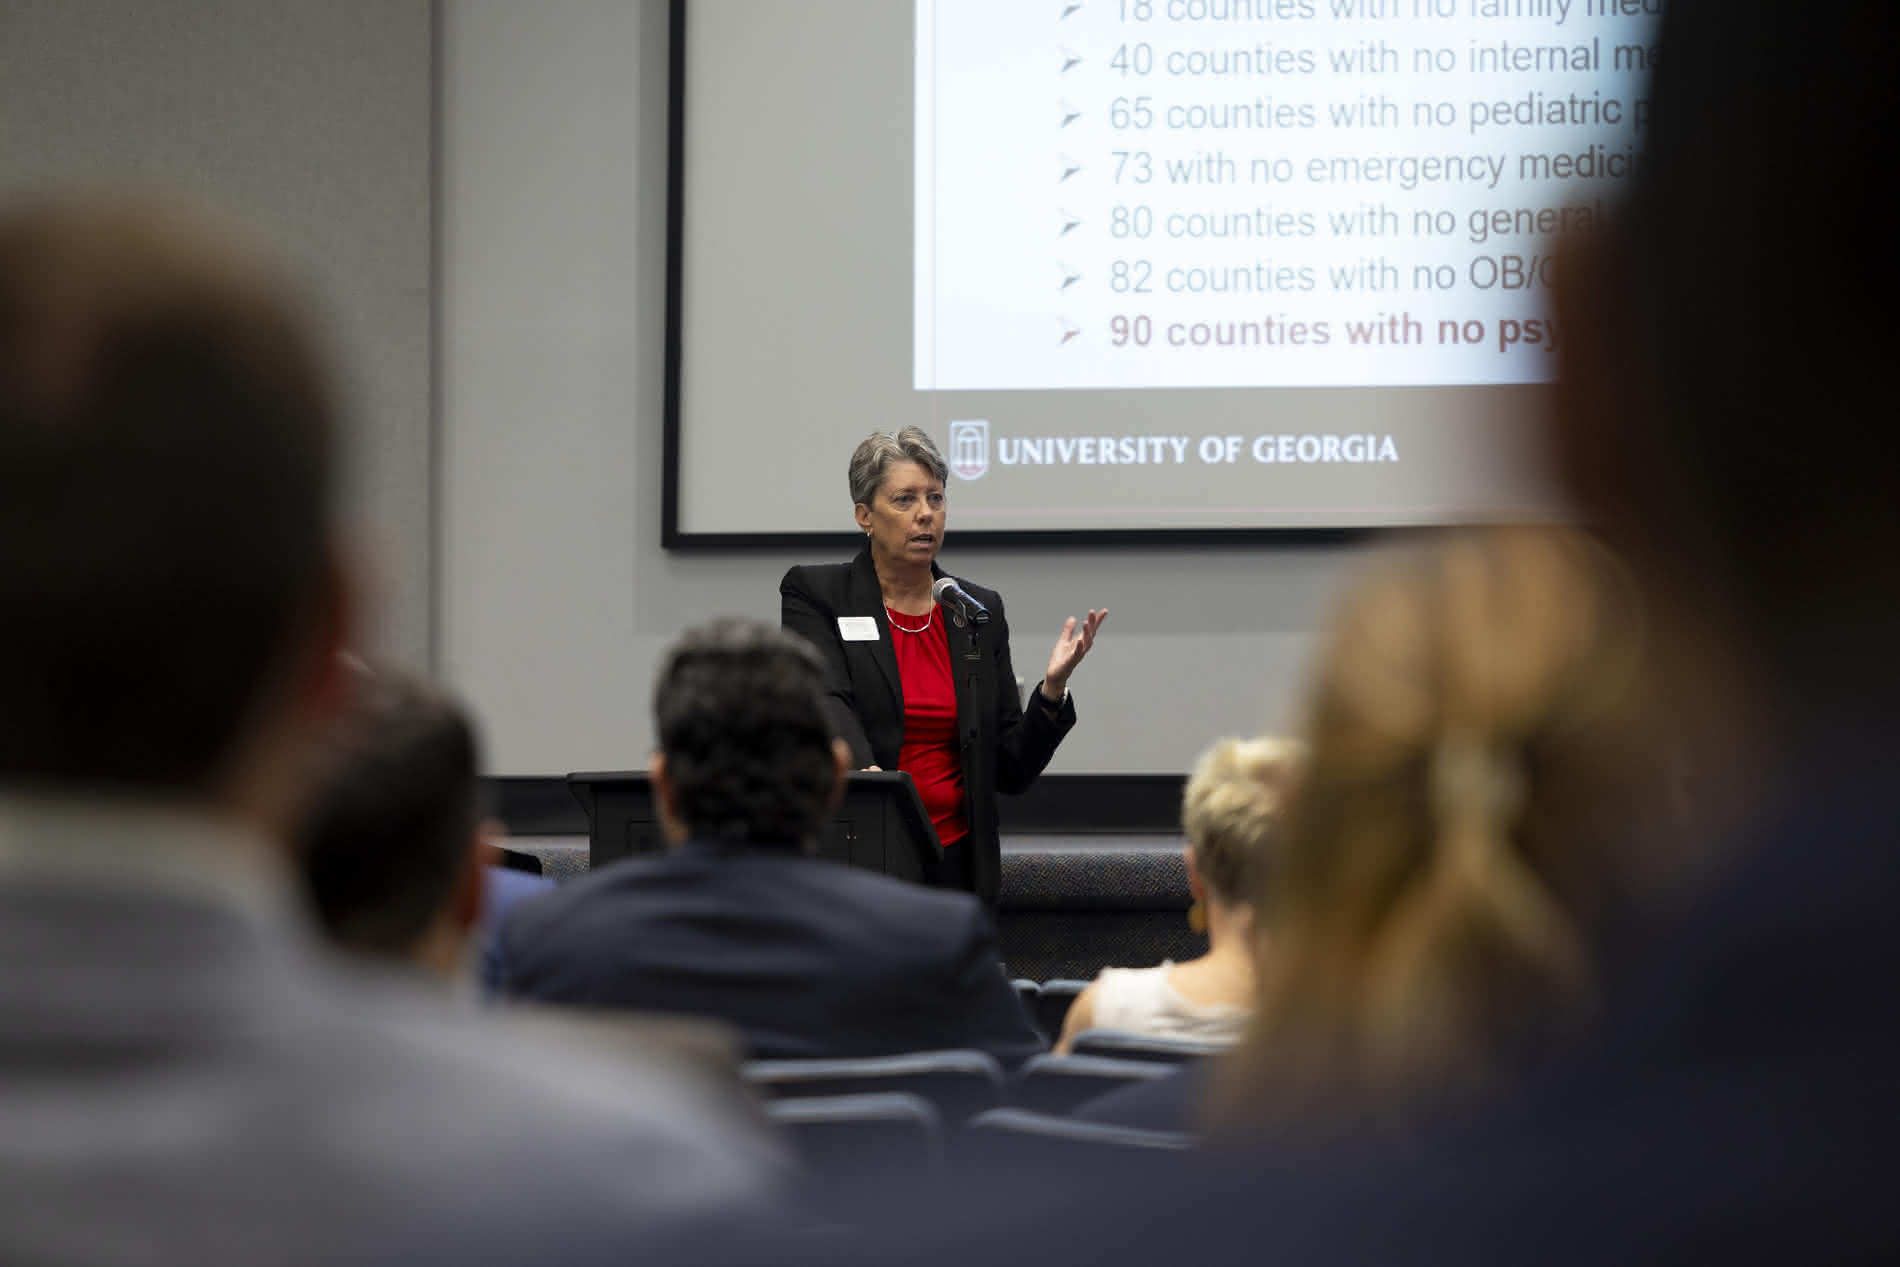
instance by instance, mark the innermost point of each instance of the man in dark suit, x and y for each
(397, 859)
(808, 958)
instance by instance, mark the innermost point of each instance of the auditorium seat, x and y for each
(1057, 1084)
(1052, 1004)
(1026, 994)
(860, 1153)
(1049, 1143)
(960, 1084)
(1119, 1044)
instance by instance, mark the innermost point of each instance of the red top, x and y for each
(929, 753)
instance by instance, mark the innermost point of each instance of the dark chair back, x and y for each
(959, 1084)
(1027, 992)
(1017, 1136)
(1119, 1044)
(860, 1153)
(1057, 1084)
(1052, 1004)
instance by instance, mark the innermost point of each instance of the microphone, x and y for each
(949, 593)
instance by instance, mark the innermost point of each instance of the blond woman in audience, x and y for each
(1229, 811)
(1476, 743)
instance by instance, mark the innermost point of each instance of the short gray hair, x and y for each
(872, 460)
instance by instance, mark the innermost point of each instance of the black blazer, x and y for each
(1004, 747)
(807, 958)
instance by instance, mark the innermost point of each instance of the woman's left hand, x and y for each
(1071, 645)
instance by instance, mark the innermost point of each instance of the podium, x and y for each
(621, 819)
(879, 825)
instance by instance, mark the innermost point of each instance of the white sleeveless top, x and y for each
(1140, 1001)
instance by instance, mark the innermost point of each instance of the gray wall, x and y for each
(556, 598)
(310, 119)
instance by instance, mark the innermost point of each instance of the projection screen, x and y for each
(1145, 269)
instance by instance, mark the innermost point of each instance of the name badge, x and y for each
(857, 628)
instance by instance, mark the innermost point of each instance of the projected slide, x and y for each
(1259, 193)
(1143, 268)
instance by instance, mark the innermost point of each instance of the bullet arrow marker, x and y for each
(1069, 223)
(1069, 331)
(1070, 60)
(1069, 168)
(1069, 114)
(1067, 9)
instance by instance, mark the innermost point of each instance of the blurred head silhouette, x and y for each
(174, 602)
(1477, 759)
(1728, 380)
(393, 846)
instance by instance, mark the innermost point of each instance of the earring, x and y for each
(1197, 919)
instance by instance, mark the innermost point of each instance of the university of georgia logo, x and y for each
(970, 448)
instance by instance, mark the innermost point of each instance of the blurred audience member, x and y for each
(1229, 811)
(398, 866)
(737, 921)
(394, 847)
(505, 885)
(397, 858)
(1479, 782)
(183, 1077)
(1480, 785)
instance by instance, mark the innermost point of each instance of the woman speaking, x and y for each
(926, 686)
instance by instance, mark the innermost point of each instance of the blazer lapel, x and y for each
(867, 599)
